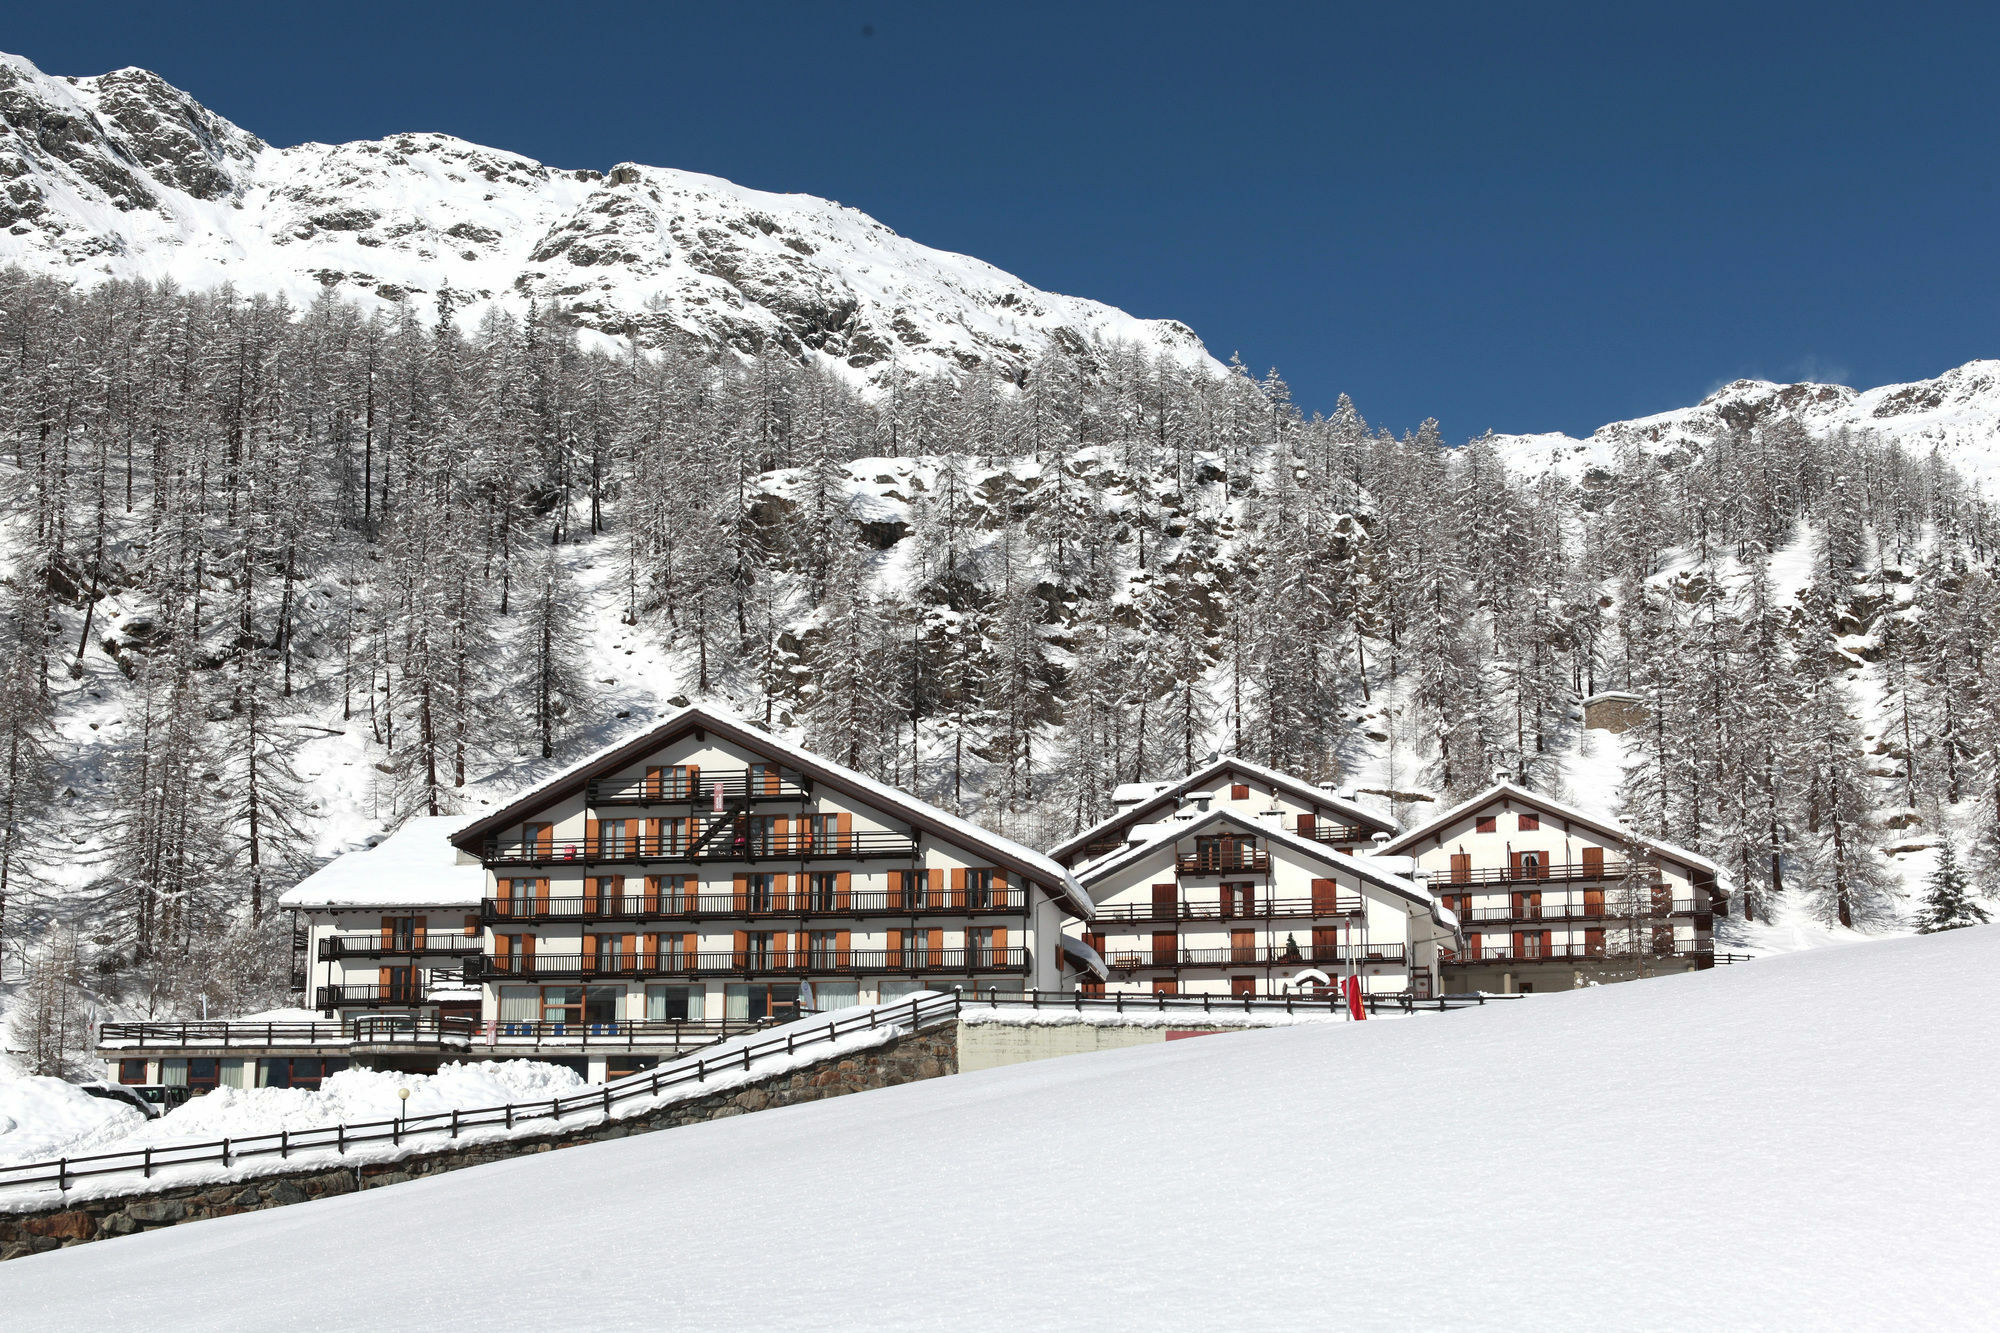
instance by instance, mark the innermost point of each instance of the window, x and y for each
(758, 946)
(755, 1002)
(984, 948)
(757, 893)
(1487, 824)
(600, 1005)
(762, 779)
(836, 994)
(899, 990)
(822, 949)
(1529, 823)
(174, 1073)
(820, 895)
(399, 933)
(979, 888)
(611, 840)
(916, 949)
(562, 1004)
(520, 1010)
(233, 1073)
(1239, 899)
(822, 832)
(131, 1071)
(674, 1004)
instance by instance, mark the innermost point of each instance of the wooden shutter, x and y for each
(1528, 822)
(1593, 902)
(1593, 943)
(388, 932)
(843, 948)
(421, 924)
(1239, 791)
(1473, 943)
(1593, 862)
(781, 835)
(1326, 897)
(1166, 947)
(541, 895)
(590, 839)
(844, 829)
(691, 952)
(589, 953)
(936, 898)
(937, 945)
(471, 926)
(654, 786)
(651, 960)
(742, 901)
(742, 949)
(1326, 943)
(651, 847)
(1308, 826)
(843, 891)
(589, 894)
(1164, 904)
(1520, 943)
(896, 889)
(1461, 867)
(895, 948)
(1486, 824)
(958, 886)
(383, 983)
(1243, 946)
(1095, 939)
(629, 948)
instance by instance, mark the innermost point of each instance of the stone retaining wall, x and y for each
(905, 1059)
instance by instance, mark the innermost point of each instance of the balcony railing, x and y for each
(727, 845)
(678, 788)
(1322, 832)
(1346, 904)
(1531, 951)
(774, 962)
(360, 995)
(433, 944)
(1445, 881)
(1589, 912)
(1261, 954)
(805, 901)
(1223, 861)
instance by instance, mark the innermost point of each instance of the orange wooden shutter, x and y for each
(742, 949)
(651, 902)
(958, 886)
(653, 786)
(843, 946)
(781, 834)
(999, 946)
(742, 893)
(691, 951)
(895, 947)
(1514, 861)
(471, 926)
(770, 779)
(590, 953)
(422, 924)
(652, 956)
(1165, 902)
(895, 890)
(1593, 902)
(1239, 792)
(843, 891)
(937, 889)
(630, 948)
(652, 844)
(590, 838)
(382, 984)
(937, 946)
(541, 895)
(388, 932)
(846, 831)
(1593, 862)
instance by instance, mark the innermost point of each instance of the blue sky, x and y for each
(1501, 216)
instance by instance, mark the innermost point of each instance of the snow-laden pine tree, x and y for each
(1948, 902)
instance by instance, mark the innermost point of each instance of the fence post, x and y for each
(454, 1122)
(147, 1164)
(225, 1154)
(340, 1138)
(62, 1175)
(284, 1143)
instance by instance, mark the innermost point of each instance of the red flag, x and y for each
(1355, 1007)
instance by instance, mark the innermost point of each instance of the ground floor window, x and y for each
(131, 1071)
(752, 1001)
(296, 1072)
(600, 1004)
(520, 1008)
(900, 990)
(624, 1066)
(196, 1074)
(562, 1004)
(675, 1004)
(836, 994)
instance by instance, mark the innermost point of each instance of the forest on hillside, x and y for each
(240, 523)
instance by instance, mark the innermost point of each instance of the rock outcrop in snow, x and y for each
(125, 176)
(1957, 414)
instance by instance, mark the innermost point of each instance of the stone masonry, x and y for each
(905, 1059)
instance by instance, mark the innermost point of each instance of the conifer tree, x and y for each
(1948, 903)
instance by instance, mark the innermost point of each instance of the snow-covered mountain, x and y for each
(1957, 414)
(125, 176)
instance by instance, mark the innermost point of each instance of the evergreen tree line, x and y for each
(234, 525)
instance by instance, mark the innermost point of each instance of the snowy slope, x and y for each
(1780, 1145)
(1958, 414)
(123, 175)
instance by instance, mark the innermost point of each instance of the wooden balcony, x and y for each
(799, 902)
(1447, 881)
(434, 944)
(1346, 834)
(1261, 955)
(675, 787)
(1224, 861)
(753, 963)
(727, 846)
(1536, 950)
(370, 996)
(1264, 909)
(1595, 914)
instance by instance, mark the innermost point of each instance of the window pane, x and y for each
(736, 1002)
(836, 994)
(519, 1004)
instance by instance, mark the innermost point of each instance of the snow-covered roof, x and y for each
(1086, 958)
(416, 866)
(1151, 795)
(1539, 801)
(1368, 868)
(718, 719)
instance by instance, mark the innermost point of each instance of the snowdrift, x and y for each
(1799, 1142)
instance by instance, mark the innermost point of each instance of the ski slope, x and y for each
(1801, 1142)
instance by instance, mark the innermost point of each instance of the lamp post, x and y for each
(402, 1107)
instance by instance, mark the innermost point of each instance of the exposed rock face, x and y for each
(125, 176)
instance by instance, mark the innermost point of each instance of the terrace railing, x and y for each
(62, 1173)
(727, 845)
(1533, 951)
(677, 787)
(1303, 955)
(1572, 872)
(1223, 861)
(752, 962)
(1566, 912)
(372, 945)
(799, 900)
(1346, 904)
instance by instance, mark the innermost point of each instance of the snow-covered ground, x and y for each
(1802, 1142)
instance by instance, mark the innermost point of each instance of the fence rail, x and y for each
(1611, 914)
(1345, 904)
(743, 843)
(679, 787)
(1445, 881)
(1534, 953)
(65, 1171)
(435, 943)
(1289, 1004)
(415, 1028)
(1260, 954)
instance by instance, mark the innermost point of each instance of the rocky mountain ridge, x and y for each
(123, 175)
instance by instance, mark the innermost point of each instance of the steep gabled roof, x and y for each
(711, 719)
(1369, 868)
(1168, 795)
(1612, 832)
